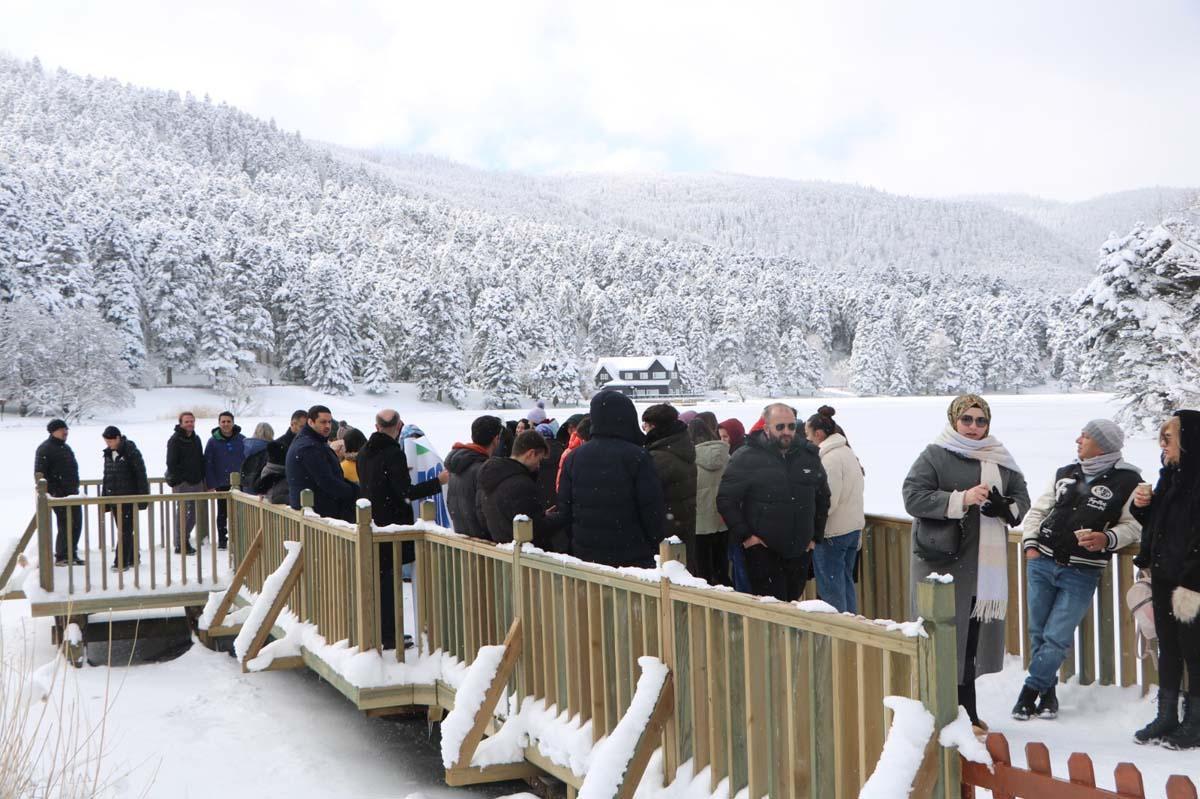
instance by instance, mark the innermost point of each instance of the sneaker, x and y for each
(60, 561)
(1026, 705)
(190, 551)
(116, 568)
(222, 545)
(78, 561)
(1048, 705)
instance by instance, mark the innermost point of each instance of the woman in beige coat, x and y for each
(833, 558)
(712, 535)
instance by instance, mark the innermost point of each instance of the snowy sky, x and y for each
(1065, 99)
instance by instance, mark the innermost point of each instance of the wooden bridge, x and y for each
(558, 666)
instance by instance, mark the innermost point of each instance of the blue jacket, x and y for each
(312, 464)
(223, 456)
(609, 493)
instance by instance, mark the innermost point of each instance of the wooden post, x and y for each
(938, 663)
(306, 499)
(235, 484)
(668, 551)
(368, 625)
(522, 534)
(45, 536)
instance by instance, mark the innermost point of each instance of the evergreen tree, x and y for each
(328, 362)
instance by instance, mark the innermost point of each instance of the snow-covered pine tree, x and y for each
(174, 297)
(117, 295)
(871, 357)
(329, 337)
(800, 367)
(497, 356)
(436, 333)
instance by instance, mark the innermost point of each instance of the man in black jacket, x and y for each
(508, 487)
(383, 475)
(55, 461)
(775, 498)
(312, 464)
(185, 472)
(463, 464)
(609, 495)
(124, 475)
(299, 420)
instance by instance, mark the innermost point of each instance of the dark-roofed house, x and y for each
(648, 376)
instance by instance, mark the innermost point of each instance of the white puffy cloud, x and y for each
(1065, 99)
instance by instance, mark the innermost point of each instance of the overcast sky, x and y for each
(1061, 99)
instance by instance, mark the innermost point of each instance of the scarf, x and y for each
(991, 588)
(1093, 467)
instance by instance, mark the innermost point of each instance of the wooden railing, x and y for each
(1106, 644)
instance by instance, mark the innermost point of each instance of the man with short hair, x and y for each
(383, 476)
(299, 419)
(312, 464)
(224, 454)
(185, 474)
(508, 487)
(775, 498)
(1071, 531)
(463, 464)
(55, 462)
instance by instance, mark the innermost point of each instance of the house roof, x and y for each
(615, 366)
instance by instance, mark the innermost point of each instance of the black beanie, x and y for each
(56, 424)
(485, 429)
(111, 432)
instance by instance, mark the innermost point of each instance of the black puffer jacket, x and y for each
(508, 489)
(674, 457)
(463, 463)
(55, 461)
(547, 476)
(609, 494)
(185, 458)
(1171, 523)
(783, 498)
(383, 475)
(124, 471)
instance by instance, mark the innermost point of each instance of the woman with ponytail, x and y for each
(834, 556)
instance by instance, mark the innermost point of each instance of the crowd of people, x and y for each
(758, 510)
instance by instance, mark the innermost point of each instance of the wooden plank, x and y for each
(823, 707)
(239, 578)
(1087, 647)
(487, 710)
(1080, 770)
(1128, 781)
(1180, 787)
(459, 777)
(595, 654)
(717, 697)
(698, 666)
(1037, 757)
(845, 717)
(1023, 572)
(682, 666)
(648, 741)
(735, 657)
(1109, 611)
(273, 611)
(1012, 628)
(1126, 632)
(872, 678)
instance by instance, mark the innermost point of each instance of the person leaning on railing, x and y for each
(185, 474)
(1170, 517)
(963, 493)
(1074, 526)
(55, 462)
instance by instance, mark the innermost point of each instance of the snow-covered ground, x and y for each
(197, 726)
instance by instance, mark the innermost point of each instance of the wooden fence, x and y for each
(1105, 648)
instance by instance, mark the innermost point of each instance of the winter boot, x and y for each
(1164, 723)
(1187, 734)
(1026, 704)
(1048, 705)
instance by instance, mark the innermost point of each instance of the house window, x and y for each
(645, 375)
(627, 375)
(659, 375)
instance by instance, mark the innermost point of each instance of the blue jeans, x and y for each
(737, 567)
(1059, 597)
(834, 559)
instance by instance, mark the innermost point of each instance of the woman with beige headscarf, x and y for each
(964, 492)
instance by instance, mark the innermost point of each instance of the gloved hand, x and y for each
(997, 507)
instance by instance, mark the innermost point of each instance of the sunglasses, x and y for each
(978, 421)
(779, 428)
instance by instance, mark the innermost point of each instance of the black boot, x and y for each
(1048, 704)
(1025, 706)
(1164, 723)
(1187, 734)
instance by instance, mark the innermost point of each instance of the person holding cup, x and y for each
(1071, 531)
(1170, 517)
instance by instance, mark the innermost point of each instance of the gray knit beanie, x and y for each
(1107, 433)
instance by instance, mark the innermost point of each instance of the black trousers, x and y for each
(1178, 643)
(772, 575)
(712, 557)
(387, 598)
(966, 689)
(125, 555)
(75, 515)
(222, 519)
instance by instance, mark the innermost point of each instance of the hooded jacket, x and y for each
(609, 495)
(547, 476)
(463, 462)
(711, 459)
(781, 497)
(1171, 522)
(845, 475)
(674, 457)
(55, 461)
(223, 456)
(312, 464)
(185, 458)
(508, 489)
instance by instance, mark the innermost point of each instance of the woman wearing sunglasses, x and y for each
(964, 492)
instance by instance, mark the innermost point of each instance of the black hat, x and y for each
(111, 432)
(56, 424)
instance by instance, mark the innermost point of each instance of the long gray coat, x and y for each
(936, 473)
